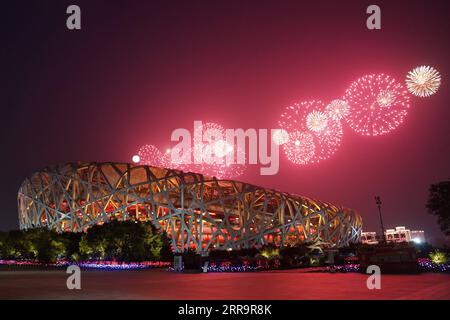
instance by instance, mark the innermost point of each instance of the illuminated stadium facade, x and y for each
(197, 212)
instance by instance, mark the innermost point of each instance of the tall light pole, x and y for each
(378, 203)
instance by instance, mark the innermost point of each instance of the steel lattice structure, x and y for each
(197, 212)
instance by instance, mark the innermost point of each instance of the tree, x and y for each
(18, 245)
(41, 244)
(270, 252)
(294, 255)
(123, 241)
(438, 204)
(72, 243)
(3, 238)
(438, 257)
(50, 245)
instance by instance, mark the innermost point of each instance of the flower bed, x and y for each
(105, 265)
(427, 265)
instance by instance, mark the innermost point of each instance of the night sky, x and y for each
(139, 69)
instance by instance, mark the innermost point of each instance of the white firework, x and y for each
(205, 136)
(150, 155)
(221, 148)
(316, 121)
(300, 149)
(385, 98)
(378, 104)
(280, 136)
(423, 81)
(325, 143)
(337, 109)
(213, 151)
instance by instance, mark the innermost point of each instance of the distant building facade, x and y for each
(369, 237)
(399, 234)
(418, 236)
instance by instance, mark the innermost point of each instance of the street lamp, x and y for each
(378, 203)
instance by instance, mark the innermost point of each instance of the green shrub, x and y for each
(438, 257)
(270, 252)
(123, 241)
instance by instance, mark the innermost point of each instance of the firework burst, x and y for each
(385, 98)
(378, 104)
(280, 136)
(300, 148)
(423, 81)
(205, 136)
(212, 147)
(310, 118)
(221, 148)
(150, 155)
(209, 142)
(316, 121)
(337, 109)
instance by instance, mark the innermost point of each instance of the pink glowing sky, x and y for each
(135, 72)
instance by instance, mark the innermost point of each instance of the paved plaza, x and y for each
(161, 284)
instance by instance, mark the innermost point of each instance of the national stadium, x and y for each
(197, 212)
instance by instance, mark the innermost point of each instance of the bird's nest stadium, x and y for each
(196, 211)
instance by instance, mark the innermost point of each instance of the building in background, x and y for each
(399, 234)
(369, 237)
(418, 236)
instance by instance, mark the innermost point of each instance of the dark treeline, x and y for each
(123, 241)
(128, 241)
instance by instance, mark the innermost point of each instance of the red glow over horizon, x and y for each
(135, 74)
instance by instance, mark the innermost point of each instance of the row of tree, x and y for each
(122, 241)
(438, 204)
